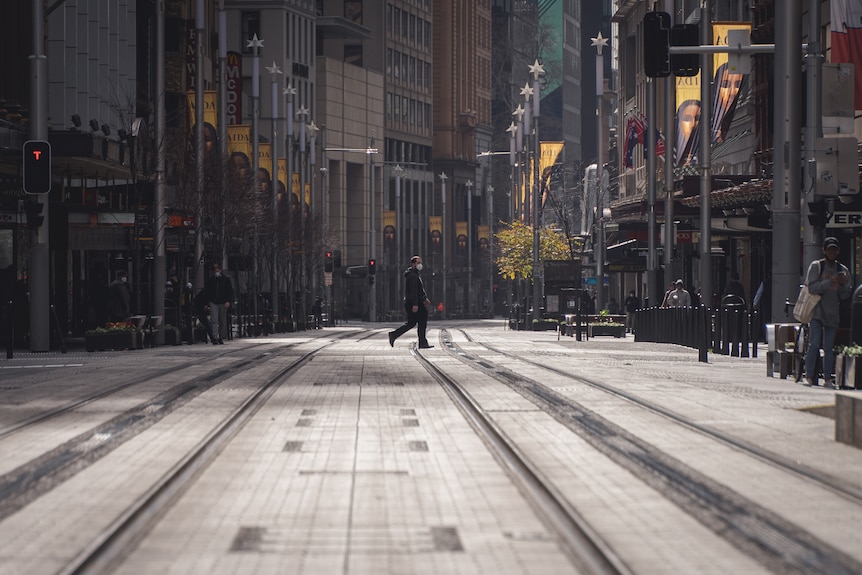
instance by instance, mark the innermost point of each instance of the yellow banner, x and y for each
(389, 218)
(435, 228)
(461, 237)
(483, 233)
(389, 227)
(294, 186)
(239, 148)
(210, 109)
(549, 152)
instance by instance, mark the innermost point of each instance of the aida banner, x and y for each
(725, 86)
(264, 166)
(483, 233)
(461, 238)
(435, 228)
(239, 148)
(294, 187)
(389, 228)
(210, 108)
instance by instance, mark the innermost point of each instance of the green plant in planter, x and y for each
(116, 327)
(854, 350)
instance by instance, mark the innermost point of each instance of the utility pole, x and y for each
(40, 321)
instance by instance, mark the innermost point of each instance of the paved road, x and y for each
(359, 461)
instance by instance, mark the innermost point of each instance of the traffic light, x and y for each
(817, 214)
(372, 267)
(656, 44)
(685, 35)
(37, 167)
(33, 210)
(327, 262)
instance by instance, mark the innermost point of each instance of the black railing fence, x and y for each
(729, 330)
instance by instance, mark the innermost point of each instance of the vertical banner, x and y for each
(264, 167)
(687, 119)
(461, 238)
(484, 238)
(210, 120)
(294, 192)
(233, 67)
(282, 178)
(549, 152)
(389, 229)
(435, 228)
(239, 149)
(726, 86)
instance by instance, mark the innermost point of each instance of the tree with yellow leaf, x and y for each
(514, 243)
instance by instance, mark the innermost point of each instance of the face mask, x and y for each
(124, 279)
(419, 267)
(218, 274)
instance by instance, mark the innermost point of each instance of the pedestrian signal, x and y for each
(37, 167)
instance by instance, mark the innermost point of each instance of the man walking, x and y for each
(416, 304)
(220, 292)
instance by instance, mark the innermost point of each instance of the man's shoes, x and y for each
(391, 339)
(811, 381)
(832, 383)
(426, 346)
(215, 342)
(221, 341)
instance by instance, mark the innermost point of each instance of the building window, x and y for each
(353, 54)
(250, 27)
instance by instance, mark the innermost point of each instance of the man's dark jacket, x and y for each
(220, 289)
(414, 292)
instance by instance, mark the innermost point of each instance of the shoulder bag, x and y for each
(803, 311)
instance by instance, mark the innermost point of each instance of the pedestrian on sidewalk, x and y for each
(828, 278)
(220, 292)
(632, 305)
(119, 298)
(416, 304)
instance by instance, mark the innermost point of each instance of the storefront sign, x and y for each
(845, 220)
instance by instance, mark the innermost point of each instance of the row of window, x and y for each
(407, 111)
(407, 26)
(411, 70)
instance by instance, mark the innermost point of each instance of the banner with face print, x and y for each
(726, 86)
(435, 228)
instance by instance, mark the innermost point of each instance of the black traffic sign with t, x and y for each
(37, 167)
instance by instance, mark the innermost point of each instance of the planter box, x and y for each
(848, 371)
(119, 340)
(608, 330)
(545, 326)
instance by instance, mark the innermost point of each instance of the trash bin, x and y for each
(856, 316)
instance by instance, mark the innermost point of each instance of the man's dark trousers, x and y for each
(420, 318)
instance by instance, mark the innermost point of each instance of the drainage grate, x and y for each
(304, 422)
(408, 412)
(293, 446)
(248, 539)
(418, 445)
(309, 412)
(446, 539)
(410, 422)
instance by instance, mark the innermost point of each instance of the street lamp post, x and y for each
(255, 44)
(400, 229)
(372, 236)
(490, 190)
(537, 70)
(469, 186)
(303, 134)
(289, 92)
(443, 179)
(273, 280)
(599, 42)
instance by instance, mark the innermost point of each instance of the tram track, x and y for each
(123, 534)
(773, 541)
(89, 398)
(581, 544)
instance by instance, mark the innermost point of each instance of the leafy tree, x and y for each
(515, 249)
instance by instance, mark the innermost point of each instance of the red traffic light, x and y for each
(37, 167)
(372, 267)
(327, 263)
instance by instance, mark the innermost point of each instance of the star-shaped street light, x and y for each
(255, 43)
(519, 112)
(599, 42)
(527, 91)
(289, 91)
(536, 70)
(512, 129)
(274, 69)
